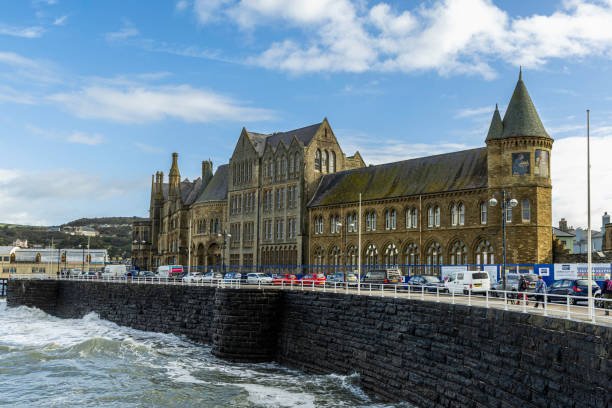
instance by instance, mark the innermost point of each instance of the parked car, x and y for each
(212, 276)
(468, 281)
(316, 279)
(286, 279)
(114, 271)
(193, 277)
(255, 278)
(146, 274)
(428, 283)
(512, 282)
(382, 276)
(337, 277)
(571, 287)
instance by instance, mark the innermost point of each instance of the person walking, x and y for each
(540, 290)
(522, 289)
(606, 293)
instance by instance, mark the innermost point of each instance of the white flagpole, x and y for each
(359, 248)
(589, 253)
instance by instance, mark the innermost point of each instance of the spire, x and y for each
(497, 128)
(521, 118)
(175, 175)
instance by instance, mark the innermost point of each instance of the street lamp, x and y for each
(504, 208)
(225, 236)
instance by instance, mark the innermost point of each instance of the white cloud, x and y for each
(470, 112)
(26, 195)
(447, 36)
(181, 5)
(569, 179)
(124, 33)
(83, 138)
(9, 94)
(60, 20)
(142, 103)
(147, 148)
(24, 32)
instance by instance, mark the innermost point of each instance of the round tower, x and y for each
(518, 156)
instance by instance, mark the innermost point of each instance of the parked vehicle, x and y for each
(286, 279)
(428, 283)
(93, 274)
(170, 271)
(257, 278)
(468, 281)
(146, 274)
(571, 287)
(337, 277)
(114, 271)
(230, 276)
(75, 272)
(192, 277)
(316, 279)
(212, 277)
(382, 276)
(512, 282)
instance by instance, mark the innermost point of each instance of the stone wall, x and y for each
(430, 354)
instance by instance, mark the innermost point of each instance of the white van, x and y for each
(462, 282)
(170, 271)
(114, 271)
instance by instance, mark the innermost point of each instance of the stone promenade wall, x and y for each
(430, 354)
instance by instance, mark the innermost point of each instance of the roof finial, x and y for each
(520, 72)
(496, 108)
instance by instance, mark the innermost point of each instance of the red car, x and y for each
(286, 279)
(317, 279)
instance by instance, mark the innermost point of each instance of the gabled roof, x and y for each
(562, 234)
(216, 190)
(521, 118)
(190, 190)
(461, 170)
(304, 135)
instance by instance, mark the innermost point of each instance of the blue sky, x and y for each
(95, 96)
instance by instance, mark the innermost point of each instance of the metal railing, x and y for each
(554, 305)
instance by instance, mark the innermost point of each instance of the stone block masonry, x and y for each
(429, 354)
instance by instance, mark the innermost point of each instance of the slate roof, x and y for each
(454, 171)
(190, 190)
(521, 117)
(497, 128)
(304, 135)
(562, 234)
(216, 190)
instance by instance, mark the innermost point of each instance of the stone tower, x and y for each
(518, 161)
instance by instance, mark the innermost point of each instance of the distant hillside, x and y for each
(115, 235)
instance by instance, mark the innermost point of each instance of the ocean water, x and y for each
(50, 362)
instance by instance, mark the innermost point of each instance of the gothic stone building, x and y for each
(435, 210)
(291, 198)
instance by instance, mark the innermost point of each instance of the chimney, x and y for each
(563, 224)
(206, 169)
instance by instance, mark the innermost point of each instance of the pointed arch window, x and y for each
(454, 215)
(461, 210)
(332, 162)
(371, 255)
(297, 164)
(291, 164)
(318, 160)
(434, 254)
(325, 161)
(391, 253)
(412, 254)
(484, 253)
(415, 218)
(352, 256)
(483, 213)
(408, 218)
(430, 217)
(437, 216)
(368, 221)
(458, 253)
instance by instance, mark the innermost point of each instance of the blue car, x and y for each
(571, 287)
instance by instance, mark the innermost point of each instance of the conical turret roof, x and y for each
(496, 129)
(521, 118)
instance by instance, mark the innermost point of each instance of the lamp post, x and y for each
(225, 236)
(504, 208)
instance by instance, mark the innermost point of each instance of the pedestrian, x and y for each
(606, 293)
(540, 290)
(522, 289)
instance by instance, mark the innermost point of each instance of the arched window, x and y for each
(284, 164)
(325, 162)
(355, 223)
(458, 253)
(430, 217)
(437, 216)
(484, 253)
(408, 218)
(483, 213)
(352, 256)
(454, 215)
(332, 162)
(415, 218)
(391, 253)
(393, 219)
(333, 225)
(350, 223)
(318, 160)
(319, 258)
(278, 168)
(297, 164)
(412, 254)
(291, 165)
(387, 220)
(335, 257)
(526, 206)
(434, 254)
(373, 216)
(368, 221)
(461, 214)
(371, 255)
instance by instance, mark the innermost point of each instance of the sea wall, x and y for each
(427, 353)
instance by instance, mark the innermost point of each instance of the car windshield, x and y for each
(480, 275)
(431, 279)
(307, 277)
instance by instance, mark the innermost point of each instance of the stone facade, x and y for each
(400, 199)
(291, 198)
